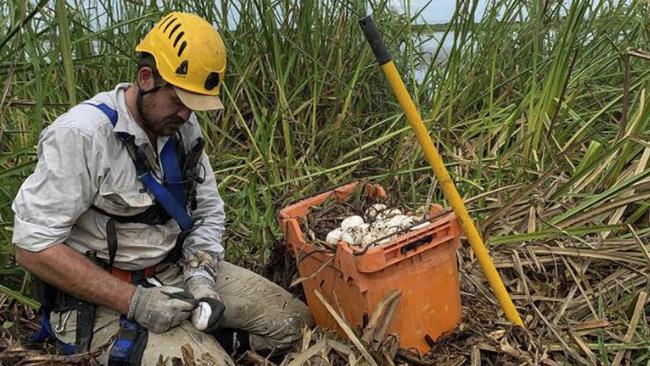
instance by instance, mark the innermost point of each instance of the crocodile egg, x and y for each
(391, 230)
(369, 238)
(355, 231)
(397, 220)
(334, 236)
(363, 228)
(379, 225)
(352, 221)
(407, 221)
(351, 238)
(374, 210)
(388, 213)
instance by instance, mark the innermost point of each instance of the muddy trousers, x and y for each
(271, 316)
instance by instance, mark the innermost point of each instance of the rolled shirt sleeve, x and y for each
(59, 190)
(202, 248)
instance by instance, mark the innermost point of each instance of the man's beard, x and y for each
(156, 127)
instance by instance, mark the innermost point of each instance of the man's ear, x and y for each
(146, 79)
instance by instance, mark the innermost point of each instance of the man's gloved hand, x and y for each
(208, 314)
(160, 308)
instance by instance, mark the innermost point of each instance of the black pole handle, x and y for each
(375, 40)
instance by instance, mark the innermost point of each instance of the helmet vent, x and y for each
(168, 24)
(165, 21)
(182, 68)
(211, 81)
(174, 30)
(178, 38)
(182, 48)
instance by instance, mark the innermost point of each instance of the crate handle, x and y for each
(416, 244)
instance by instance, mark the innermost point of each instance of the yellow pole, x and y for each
(439, 169)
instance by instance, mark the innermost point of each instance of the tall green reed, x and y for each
(531, 86)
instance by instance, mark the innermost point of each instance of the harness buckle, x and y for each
(60, 327)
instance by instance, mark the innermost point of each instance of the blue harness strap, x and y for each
(108, 111)
(172, 195)
(168, 201)
(173, 178)
(123, 346)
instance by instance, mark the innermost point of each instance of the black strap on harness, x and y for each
(52, 299)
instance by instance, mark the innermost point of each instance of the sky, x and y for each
(437, 11)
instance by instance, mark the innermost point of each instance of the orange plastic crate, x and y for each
(421, 263)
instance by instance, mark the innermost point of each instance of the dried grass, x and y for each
(583, 300)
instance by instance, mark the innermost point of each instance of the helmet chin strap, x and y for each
(142, 93)
(146, 124)
(138, 104)
(154, 89)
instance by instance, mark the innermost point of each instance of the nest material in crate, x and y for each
(361, 221)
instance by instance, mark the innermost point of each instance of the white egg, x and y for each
(352, 221)
(388, 213)
(397, 220)
(407, 222)
(334, 236)
(374, 210)
(392, 229)
(369, 238)
(363, 228)
(379, 225)
(379, 206)
(351, 238)
(354, 230)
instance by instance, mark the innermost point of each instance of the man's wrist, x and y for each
(129, 291)
(199, 264)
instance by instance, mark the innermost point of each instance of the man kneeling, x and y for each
(122, 220)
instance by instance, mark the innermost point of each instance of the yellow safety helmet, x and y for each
(190, 55)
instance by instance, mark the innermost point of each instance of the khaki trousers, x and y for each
(273, 318)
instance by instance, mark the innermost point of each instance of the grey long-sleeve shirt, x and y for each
(82, 163)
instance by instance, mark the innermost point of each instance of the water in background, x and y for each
(434, 12)
(430, 46)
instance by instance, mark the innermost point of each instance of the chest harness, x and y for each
(182, 172)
